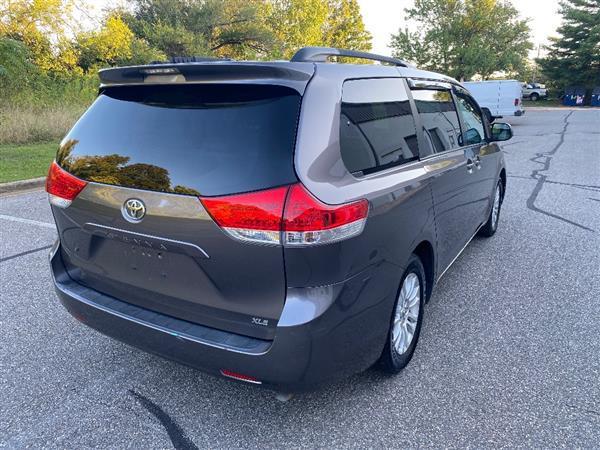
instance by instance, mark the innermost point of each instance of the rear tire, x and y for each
(490, 227)
(534, 97)
(406, 320)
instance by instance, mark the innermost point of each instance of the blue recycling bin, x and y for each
(596, 96)
(574, 96)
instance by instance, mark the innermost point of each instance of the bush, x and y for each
(49, 91)
(37, 106)
(28, 124)
(46, 111)
(17, 71)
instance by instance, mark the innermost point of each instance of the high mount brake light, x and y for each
(62, 187)
(286, 215)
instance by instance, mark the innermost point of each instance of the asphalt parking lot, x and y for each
(509, 355)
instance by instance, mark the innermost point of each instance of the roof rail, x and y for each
(320, 54)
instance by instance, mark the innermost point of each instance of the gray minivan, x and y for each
(277, 223)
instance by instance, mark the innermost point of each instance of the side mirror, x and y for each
(501, 131)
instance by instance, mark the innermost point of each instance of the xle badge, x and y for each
(259, 321)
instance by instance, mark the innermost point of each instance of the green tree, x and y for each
(113, 44)
(245, 29)
(345, 27)
(42, 26)
(17, 70)
(141, 53)
(329, 23)
(232, 28)
(574, 57)
(464, 37)
(295, 24)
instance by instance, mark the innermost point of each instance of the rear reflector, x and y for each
(239, 376)
(62, 187)
(286, 215)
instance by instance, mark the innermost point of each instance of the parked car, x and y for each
(499, 97)
(534, 91)
(278, 223)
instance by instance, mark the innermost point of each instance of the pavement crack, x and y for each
(589, 187)
(178, 437)
(544, 159)
(28, 252)
(583, 410)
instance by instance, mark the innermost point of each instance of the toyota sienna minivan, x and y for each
(278, 223)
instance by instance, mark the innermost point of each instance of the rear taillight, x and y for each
(255, 216)
(517, 101)
(307, 221)
(286, 215)
(62, 187)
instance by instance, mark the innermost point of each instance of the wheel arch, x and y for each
(503, 180)
(426, 254)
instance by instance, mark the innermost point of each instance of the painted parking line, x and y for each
(28, 221)
(28, 252)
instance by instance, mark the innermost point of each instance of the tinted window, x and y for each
(188, 139)
(377, 129)
(439, 118)
(472, 119)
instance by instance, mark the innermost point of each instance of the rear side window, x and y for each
(440, 120)
(377, 129)
(189, 139)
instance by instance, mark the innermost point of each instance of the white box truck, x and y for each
(500, 97)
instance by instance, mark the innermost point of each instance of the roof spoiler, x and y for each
(222, 71)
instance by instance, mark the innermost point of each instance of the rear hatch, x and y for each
(153, 157)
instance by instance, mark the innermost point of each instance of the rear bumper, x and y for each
(341, 333)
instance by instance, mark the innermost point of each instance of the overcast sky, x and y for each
(384, 17)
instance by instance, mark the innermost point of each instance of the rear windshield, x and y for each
(188, 139)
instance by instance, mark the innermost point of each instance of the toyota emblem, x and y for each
(133, 210)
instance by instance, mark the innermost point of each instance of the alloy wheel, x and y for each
(496, 207)
(406, 315)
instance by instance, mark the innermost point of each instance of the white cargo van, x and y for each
(501, 97)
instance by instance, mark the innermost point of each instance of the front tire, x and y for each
(407, 317)
(534, 97)
(490, 227)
